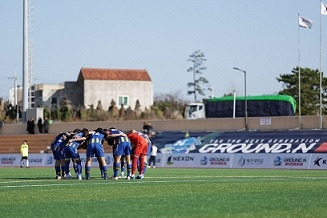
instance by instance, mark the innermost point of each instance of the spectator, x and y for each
(24, 153)
(46, 125)
(30, 126)
(153, 155)
(40, 125)
(147, 128)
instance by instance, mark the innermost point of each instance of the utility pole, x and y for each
(15, 78)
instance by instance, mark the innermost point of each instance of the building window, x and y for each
(53, 100)
(123, 100)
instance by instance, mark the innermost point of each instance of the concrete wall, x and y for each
(218, 124)
(73, 91)
(105, 91)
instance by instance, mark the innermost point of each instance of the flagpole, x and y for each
(320, 83)
(299, 69)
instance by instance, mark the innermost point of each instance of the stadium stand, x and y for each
(38, 143)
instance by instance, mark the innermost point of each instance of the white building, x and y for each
(124, 86)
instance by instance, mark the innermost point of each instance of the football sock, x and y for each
(57, 168)
(87, 171)
(129, 167)
(116, 169)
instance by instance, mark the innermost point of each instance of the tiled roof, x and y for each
(114, 74)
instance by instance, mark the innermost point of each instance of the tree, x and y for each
(65, 109)
(197, 59)
(167, 102)
(310, 89)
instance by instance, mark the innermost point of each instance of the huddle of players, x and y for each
(130, 147)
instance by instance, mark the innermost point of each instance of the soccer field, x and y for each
(166, 192)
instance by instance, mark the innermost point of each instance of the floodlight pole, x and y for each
(245, 99)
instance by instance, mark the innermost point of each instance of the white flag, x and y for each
(305, 23)
(323, 9)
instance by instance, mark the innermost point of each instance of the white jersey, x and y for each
(154, 150)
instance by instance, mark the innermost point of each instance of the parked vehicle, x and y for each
(230, 106)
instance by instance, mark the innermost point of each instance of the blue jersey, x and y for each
(118, 139)
(70, 150)
(76, 144)
(123, 143)
(95, 147)
(57, 146)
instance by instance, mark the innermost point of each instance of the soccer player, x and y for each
(140, 147)
(95, 148)
(71, 152)
(153, 155)
(57, 146)
(121, 147)
(24, 153)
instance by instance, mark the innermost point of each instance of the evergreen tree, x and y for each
(310, 89)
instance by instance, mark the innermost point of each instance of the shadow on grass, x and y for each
(28, 178)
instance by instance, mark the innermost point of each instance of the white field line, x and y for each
(150, 180)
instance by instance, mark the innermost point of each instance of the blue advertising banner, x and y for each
(246, 142)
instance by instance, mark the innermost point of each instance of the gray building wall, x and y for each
(74, 92)
(45, 93)
(107, 90)
(88, 92)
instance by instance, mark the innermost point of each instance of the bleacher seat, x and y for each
(37, 143)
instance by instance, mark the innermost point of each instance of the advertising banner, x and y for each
(318, 162)
(244, 149)
(250, 161)
(290, 161)
(246, 142)
(215, 160)
(47, 160)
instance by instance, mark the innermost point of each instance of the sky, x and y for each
(258, 36)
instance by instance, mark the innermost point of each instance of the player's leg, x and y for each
(67, 162)
(116, 166)
(129, 166)
(145, 160)
(135, 159)
(57, 169)
(122, 166)
(100, 167)
(104, 167)
(154, 161)
(78, 165)
(141, 176)
(89, 155)
(88, 167)
(99, 152)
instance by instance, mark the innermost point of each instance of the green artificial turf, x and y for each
(166, 192)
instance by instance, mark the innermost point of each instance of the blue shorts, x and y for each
(58, 153)
(71, 152)
(122, 148)
(95, 149)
